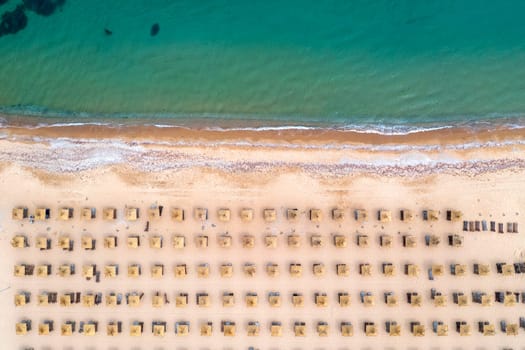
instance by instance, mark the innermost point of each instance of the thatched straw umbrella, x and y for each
(269, 215)
(177, 214)
(224, 214)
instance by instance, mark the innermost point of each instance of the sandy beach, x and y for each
(480, 174)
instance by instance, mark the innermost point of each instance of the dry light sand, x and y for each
(485, 183)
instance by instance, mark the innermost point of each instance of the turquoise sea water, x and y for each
(331, 62)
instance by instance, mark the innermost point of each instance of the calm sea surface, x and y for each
(337, 62)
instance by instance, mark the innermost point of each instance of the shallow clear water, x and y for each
(334, 62)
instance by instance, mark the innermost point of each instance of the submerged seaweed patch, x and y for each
(154, 29)
(43, 7)
(16, 20)
(13, 21)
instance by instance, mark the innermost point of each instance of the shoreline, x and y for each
(430, 134)
(70, 148)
